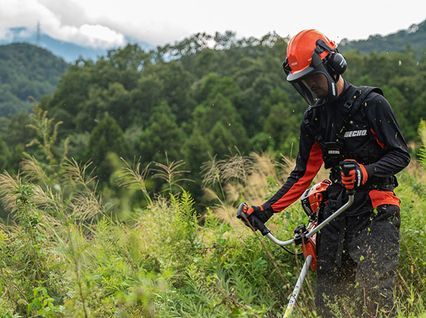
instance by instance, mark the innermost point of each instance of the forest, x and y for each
(27, 72)
(119, 188)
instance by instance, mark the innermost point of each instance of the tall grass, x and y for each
(63, 255)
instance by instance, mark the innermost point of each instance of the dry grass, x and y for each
(45, 199)
(32, 169)
(133, 176)
(9, 190)
(79, 174)
(211, 172)
(86, 207)
(172, 173)
(251, 178)
(235, 169)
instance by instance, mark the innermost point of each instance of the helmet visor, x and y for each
(314, 83)
(314, 88)
(306, 92)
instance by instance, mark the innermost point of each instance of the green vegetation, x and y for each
(414, 37)
(27, 73)
(63, 254)
(201, 98)
(169, 135)
(207, 96)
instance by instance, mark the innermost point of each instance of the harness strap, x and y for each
(353, 105)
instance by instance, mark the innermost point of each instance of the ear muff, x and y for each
(335, 61)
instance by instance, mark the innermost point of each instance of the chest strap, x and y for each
(354, 104)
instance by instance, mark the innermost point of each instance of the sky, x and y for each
(107, 23)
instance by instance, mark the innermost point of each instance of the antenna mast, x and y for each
(38, 33)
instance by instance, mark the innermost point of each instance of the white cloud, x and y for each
(106, 22)
(100, 35)
(7, 34)
(89, 35)
(27, 13)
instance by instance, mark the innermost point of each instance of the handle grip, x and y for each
(259, 225)
(346, 167)
(254, 223)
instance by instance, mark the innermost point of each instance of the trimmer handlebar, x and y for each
(257, 224)
(302, 236)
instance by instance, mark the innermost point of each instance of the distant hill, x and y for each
(67, 50)
(26, 71)
(413, 37)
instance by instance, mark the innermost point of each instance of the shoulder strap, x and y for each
(354, 103)
(311, 118)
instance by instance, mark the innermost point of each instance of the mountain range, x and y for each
(67, 50)
(32, 63)
(414, 37)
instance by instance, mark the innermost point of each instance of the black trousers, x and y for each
(357, 258)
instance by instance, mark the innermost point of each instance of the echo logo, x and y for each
(355, 133)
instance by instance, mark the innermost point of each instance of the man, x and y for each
(358, 252)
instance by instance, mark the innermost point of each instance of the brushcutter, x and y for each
(312, 202)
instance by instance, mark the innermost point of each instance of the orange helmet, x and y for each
(310, 52)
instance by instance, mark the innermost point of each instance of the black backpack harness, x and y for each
(334, 152)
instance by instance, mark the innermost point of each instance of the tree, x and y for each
(221, 125)
(5, 155)
(213, 84)
(71, 94)
(282, 125)
(161, 137)
(147, 94)
(114, 100)
(222, 140)
(106, 137)
(176, 84)
(196, 151)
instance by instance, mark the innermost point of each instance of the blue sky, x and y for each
(106, 23)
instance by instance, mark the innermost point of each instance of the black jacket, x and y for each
(370, 135)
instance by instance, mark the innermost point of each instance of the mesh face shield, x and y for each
(298, 80)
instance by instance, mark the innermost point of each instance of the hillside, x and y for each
(29, 70)
(26, 72)
(413, 37)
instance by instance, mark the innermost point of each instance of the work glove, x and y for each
(259, 212)
(353, 174)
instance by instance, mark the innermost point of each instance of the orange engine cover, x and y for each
(309, 248)
(313, 198)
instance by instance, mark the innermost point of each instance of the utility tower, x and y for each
(38, 35)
